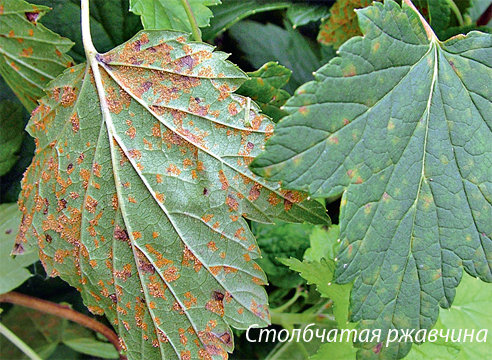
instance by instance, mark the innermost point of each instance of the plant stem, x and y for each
(485, 17)
(63, 312)
(285, 306)
(19, 343)
(191, 17)
(456, 11)
(90, 50)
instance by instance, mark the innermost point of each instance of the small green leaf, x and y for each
(230, 12)
(324, 243)
(337, 350)
(13, 271)
(300, 14)
(93, 347)
(321, 274)
(30, 54)
(11, 134)
(264, 88)
(408, 150)
(171, 15)
(272, 43)
(111, 23)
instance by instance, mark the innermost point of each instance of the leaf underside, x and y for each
(30, 54)
(402, 126)
(137, 200)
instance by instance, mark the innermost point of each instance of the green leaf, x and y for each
(324, 244)
(46, 334)
(337, 350)
(137, 188)
(12, 270)
(110, 20)
(321, 274)
(437, 13)
(408, 150)
(11, 134)
(272, 43)
(230, 12)
(300, 14)
(30, 54)
(341, 25)
(281, 241)
(170, 14)
(471, 310)
(264, 88)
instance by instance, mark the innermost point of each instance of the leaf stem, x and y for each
(90, 50)
(456, 11)
(485, 17)
(19, 343)
(285, 306)
(191, 17)
(63, 312)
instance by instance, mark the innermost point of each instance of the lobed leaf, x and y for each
(264, 88)
(137, 190)
(30, 54)
(171, 14)
(300, 14)
(400, 124)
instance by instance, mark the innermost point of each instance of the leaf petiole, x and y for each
(191, 17)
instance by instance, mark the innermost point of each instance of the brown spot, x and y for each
(69, 96)
(223, 180)
(32, 16)
(91, 204)
(232, 203)
(254, 193)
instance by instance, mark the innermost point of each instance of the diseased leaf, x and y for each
(11, 134)
(264, 88)
(321, 274)
(342, 24)
(471, 310)
(171, 15)
(30, 54)
(281, 241)
(300, 14)
(111, 23)
(12, 271)
(46, 334)
(136, 193)
(409, 150)
(272, 43)
(230, 12)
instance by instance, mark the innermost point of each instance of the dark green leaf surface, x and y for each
(300, 14)
(401, 124)
(264, 88)
(136, 193)
(11, 134)
(230, 12)
(12, 270)
(272, 43)
(111, 23)
(171, 15)
(30, 54)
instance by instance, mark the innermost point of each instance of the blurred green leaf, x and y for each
(12, 270)
(11, 134)
(231, 11)
(265, 43)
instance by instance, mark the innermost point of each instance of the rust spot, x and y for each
(223, 180)
(254, 193)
